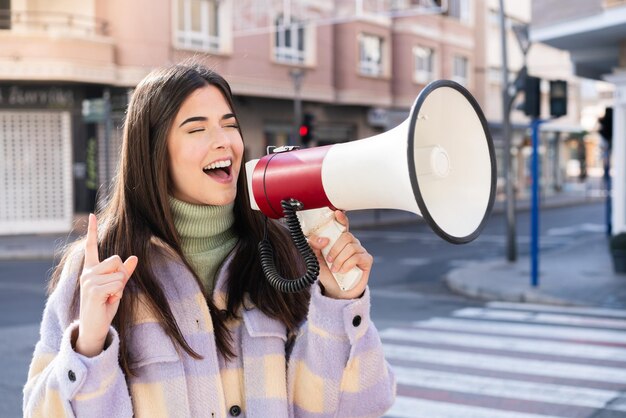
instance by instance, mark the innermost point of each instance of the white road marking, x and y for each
(529, 330)
(506, 388)
(523, 345)
(617, 313)
(507, 364)
(546, 318)
(406, 407)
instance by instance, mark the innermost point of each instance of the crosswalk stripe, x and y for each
(506, 343)
(406, 407)
(514, 389)
(510, 360)
(530, 330)
(616, 313)
(505, 363)
(546, 318)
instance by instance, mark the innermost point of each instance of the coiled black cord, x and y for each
(266, 253)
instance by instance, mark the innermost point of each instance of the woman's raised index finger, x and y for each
(91, 245)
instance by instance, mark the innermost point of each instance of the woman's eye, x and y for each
(196, 130)
(232, 125)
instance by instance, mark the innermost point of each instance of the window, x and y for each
(197, 25)
(459, 9)
(370, 55)
(289, 45)
(424, 64)
(460, 70)
(5, 14)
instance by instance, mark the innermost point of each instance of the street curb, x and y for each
(27, 255)
(46, 247)
(459, 286)
(460, 281)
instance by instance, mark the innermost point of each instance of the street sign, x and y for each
(94, 110)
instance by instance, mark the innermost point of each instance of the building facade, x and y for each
(593, 32)
(567, 146)
(67, 67)
(354, 67)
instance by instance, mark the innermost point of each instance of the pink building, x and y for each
(361, 64)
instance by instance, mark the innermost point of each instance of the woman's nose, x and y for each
(219, 139)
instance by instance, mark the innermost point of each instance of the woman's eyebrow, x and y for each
(193, 119)
(204, 119)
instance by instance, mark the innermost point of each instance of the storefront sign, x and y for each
(36, 97)
(378, 117)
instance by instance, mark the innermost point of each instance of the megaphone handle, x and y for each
(326, 226)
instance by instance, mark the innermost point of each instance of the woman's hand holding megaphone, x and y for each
(101, 288)
(346, 254)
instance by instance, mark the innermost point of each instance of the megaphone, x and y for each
(439, 164)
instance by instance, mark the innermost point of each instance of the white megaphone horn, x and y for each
(439, 164)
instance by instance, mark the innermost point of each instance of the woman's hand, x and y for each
(101, 288)
(346, 254)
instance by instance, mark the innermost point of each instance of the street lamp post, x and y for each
(509, 92)
(511, 248)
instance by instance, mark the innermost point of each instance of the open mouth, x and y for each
(219, 170)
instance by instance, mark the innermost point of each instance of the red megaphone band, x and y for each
(291, 174)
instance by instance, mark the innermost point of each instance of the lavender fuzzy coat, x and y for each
(335, 369)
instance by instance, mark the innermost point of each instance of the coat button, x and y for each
(235, 410)
(356, 321)
(71, 375)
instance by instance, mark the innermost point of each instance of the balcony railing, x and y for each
(371, 68)
(52, 22)
(289, 55)
(197, 41)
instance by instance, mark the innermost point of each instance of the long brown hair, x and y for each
(138, 212)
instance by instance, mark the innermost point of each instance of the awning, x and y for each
(592, 41)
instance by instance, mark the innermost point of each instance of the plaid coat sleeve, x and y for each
(337, 367)
(63, 383)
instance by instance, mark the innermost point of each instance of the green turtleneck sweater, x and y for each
(207, 236)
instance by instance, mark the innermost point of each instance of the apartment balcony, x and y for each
(38, 45)
(593, 31)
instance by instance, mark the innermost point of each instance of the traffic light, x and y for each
(558, 98)
(306, 129)
(606, 125)
(532, 96)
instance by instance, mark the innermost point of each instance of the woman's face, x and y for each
(205, 149)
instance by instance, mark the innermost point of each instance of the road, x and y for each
(453, 357)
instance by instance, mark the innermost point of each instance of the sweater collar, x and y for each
(202, 227)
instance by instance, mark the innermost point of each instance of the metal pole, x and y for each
(534, 213)
(607, 187)
(107, 137)
(557, 169)
(296, 75)
(511, 247)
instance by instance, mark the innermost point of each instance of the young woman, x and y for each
(163, 309)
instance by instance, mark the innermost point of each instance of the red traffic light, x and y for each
(304, 130)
